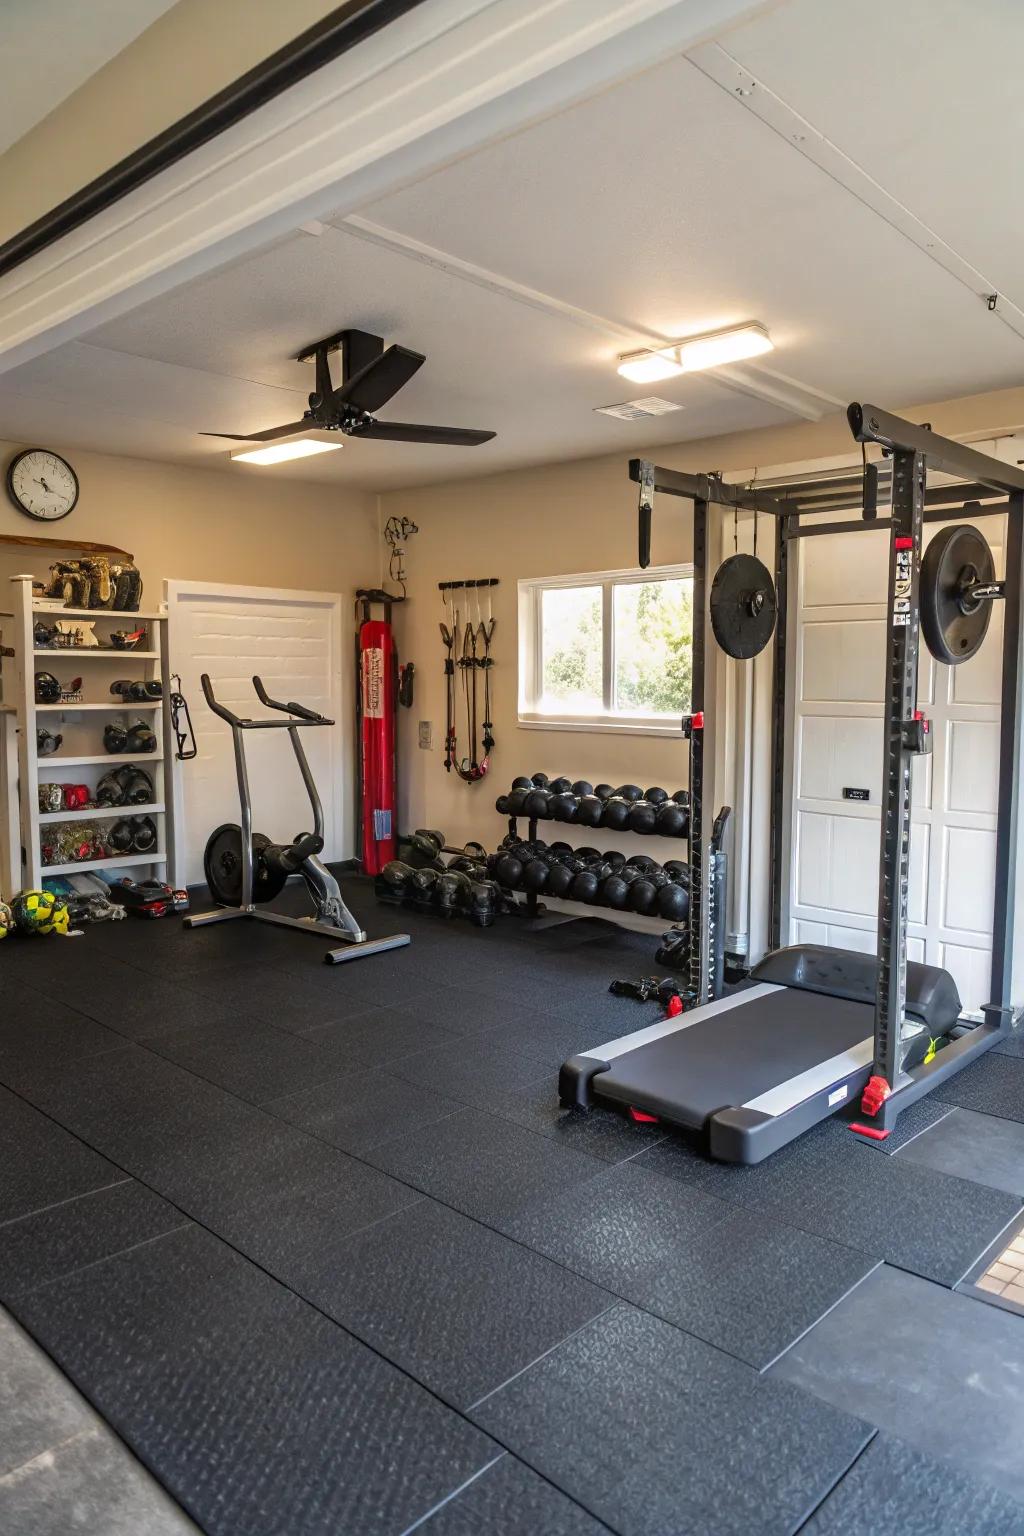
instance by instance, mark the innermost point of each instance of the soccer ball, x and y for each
(40, 912)
(6, 919)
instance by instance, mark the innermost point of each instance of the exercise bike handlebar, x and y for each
(305, 716)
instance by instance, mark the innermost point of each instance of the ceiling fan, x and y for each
(370, 376)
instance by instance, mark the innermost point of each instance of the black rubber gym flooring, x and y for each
(321, 1247)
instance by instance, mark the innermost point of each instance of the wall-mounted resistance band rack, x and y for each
(466, 635)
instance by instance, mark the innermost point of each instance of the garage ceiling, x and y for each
(668, 205)
(51, 48)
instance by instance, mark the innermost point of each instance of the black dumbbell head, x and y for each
(615, 893)
(536, 804)
(677, 870)
(560, 786)
(509, 872)
(588, 812)
(603, 791)
(517, 799)
(522, 783)
(671, 820)
(656, 795)
(563, 807)
(615, 814)
(559, 881)
(540, 780)
(681, 796)
(584, 886)
(642, 861)
(615, 858)
(642, 817)
(673, 903)
(535, 875)
(581, 787)
(643, 897)
(501, 805)
(629, 792)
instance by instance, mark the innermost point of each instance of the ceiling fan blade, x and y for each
(409, 432)
(267, 436)
(374, 385)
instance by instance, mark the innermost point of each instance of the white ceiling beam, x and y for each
(431, 87)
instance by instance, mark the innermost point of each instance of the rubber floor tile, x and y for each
(157, 1007)
(899, 1351)
(993, 1085)
(483, 1166)
(510, 1500)
(751, 1286)
(257, 1413)
(598, 1132)
(378, 1037)
(472, 1071)
(459, 1307)
(363, 1110)
(621, 1229)
(652, 1430)
(34, 1029)
(898, 1490)
(65, 1237)
(251, 1060)
(41, 1164)
(978, 1147)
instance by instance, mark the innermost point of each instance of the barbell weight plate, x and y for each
(954, 557)
(743, 606)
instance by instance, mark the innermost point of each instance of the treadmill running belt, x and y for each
(735, 1055)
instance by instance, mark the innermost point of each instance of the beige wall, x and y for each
(562, 519)
(186, 56)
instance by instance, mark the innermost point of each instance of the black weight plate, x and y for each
(953, 629)
(742, 606)
(222, 865)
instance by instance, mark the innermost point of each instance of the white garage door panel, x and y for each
(970, 859)
(835, 572)
(293, 641)
(842, 660)
(973, 766)
(837, 711)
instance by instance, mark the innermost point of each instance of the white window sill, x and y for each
(609, 727)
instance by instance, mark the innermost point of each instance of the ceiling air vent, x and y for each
(636, 410)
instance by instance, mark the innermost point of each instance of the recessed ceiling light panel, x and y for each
(298, 448)
(696, 353)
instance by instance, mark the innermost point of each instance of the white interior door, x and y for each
(293, 641)
(837, 761)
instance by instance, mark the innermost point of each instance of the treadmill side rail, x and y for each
(743, 1135)
(574, 1079)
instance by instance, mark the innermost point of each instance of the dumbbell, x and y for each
(642, 817)
(589, 811)
(615, 813)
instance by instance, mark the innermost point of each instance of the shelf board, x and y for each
(112, 708)
(122, 615)
(37, 541)
(141, 758)
(116, 863)
(103, 812)
(79, 652)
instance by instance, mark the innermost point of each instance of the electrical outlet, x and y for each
(426, 735)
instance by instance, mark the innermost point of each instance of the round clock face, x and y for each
(42, 484)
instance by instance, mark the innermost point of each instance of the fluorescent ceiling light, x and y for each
(696, 353)
(298, 448)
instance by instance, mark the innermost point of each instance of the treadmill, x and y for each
(814, 1027)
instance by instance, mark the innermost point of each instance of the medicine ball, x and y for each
(643, 897)
(522, 783)
(536, 804)
(629, 792)
(563, 807)
(673, 903)
(540, 780)
(603, 791)
(615, 858)
(584, 886)
(642, 817)
(560, 786)
(509, 872)
(516, 800)
(581, 787)
(559, 881)
(535, 875)
(677, 870)
(671, 820)
(615, 893)
(501, 805)
(588, 812)
(615, 814)
(681, 796)
(656, 796)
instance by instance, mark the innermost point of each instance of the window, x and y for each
(607, 651)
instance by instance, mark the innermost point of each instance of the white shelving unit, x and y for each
(81, 726)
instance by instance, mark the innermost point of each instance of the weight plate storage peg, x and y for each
(742, 606)
(956, 591)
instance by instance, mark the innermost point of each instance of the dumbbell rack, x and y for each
(99, 666)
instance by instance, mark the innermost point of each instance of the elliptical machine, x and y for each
(245, 869)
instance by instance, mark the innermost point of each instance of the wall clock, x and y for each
(42, 484)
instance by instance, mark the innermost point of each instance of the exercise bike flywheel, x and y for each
(222, 865)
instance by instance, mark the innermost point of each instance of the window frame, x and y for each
(531, 653)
